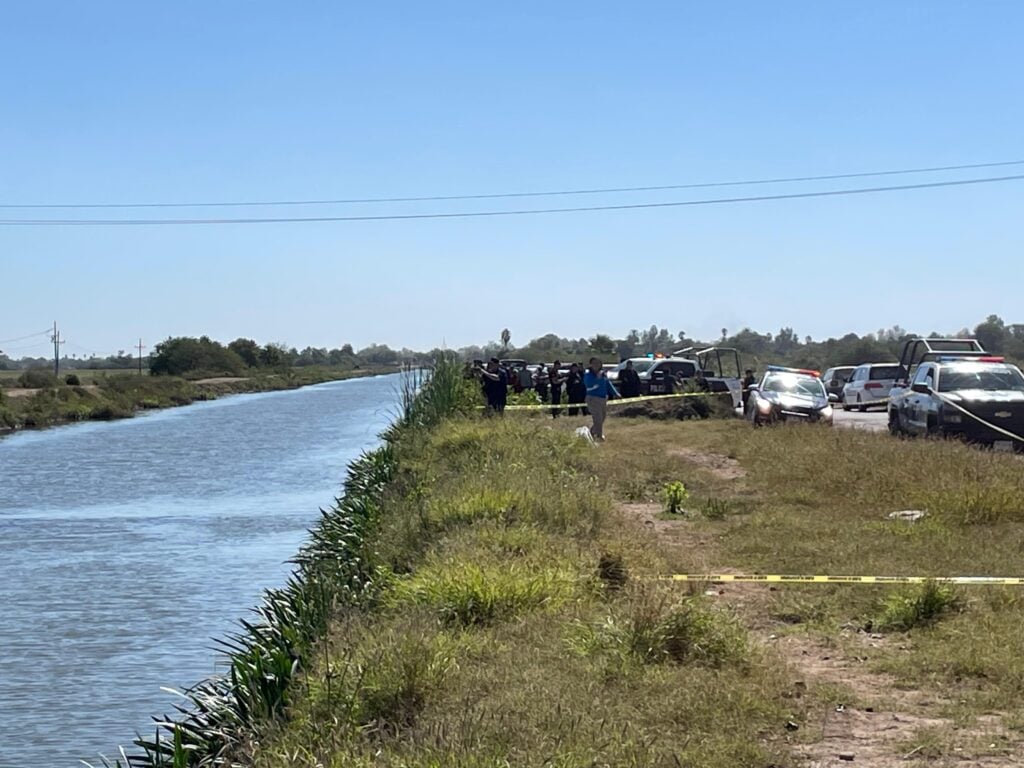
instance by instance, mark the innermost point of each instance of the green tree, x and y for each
(248, 350)
(506, 337)
(992, 334)
(184, 355)
(602, 344)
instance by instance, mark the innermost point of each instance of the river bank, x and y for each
(120, 396)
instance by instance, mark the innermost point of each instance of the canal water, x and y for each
(127, 546)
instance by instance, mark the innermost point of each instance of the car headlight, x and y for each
(764, 406)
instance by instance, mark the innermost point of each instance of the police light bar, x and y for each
(804, 371)
(972, 358)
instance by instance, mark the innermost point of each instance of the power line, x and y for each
(22, 338)
(499, 195)
(480, 214)
(36, 346)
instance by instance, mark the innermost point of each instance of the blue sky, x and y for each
(106, 102)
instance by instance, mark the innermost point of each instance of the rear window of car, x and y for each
(885, 372)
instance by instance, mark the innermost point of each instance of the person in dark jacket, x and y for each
(495, 385)
(576, 390)
(629, 381)
(748, 382)
(556, 380)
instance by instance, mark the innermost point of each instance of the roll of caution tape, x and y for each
(758, 578)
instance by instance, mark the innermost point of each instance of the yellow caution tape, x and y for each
(757, 578)
(617, 401)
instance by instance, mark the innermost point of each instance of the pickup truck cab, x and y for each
(977, 398)
(722, 370)
(654, 371)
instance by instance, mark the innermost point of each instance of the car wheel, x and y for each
(846, 406)
(895, 425)
(860, 406)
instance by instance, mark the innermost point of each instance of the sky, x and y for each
(127, 102)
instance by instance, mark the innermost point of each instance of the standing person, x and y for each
(748, 382)
(629, 381)
(495, 383)
(701, 381)
(575, 389)
(514, 378)
(540, 380)
(555, 379)
(599, 390)
(525, 379)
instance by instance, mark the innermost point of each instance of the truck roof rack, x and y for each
(917, 351)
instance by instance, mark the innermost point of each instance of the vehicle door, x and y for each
(657, 379)
(829, 380)
(916, 405)
(853, 386)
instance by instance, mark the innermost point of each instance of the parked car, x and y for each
(653, 371)
(788, 394)
(976, 398)
(869, 385)
(835, 379)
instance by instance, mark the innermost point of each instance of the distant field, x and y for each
(85, 376)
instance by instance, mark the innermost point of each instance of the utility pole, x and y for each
(140, 347)
(55, 338)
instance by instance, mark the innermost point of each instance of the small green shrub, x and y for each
(716, 509)
(466, 594)
(919, 607)
(674, 495)
(397, 680)
(656, 631)
(611, 569)
(37, 378)
(694, 632)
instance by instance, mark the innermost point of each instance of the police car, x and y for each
(788, 394)
(977, 398)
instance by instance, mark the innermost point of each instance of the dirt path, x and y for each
(14, 392)
(872, 721)
(221, 380)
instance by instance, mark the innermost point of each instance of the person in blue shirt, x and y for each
(599, 390)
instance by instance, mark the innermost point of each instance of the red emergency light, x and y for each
(991, 359)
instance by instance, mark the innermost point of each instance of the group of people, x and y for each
(587, 390)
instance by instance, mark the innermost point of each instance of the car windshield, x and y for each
(980, 376)
(881, 372)
(794, 384)
(640, 366)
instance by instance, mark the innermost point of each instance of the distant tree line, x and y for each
(185, 355)
(188, 356)
(757, 349)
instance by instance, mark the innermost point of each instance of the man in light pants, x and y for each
(599, 390)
